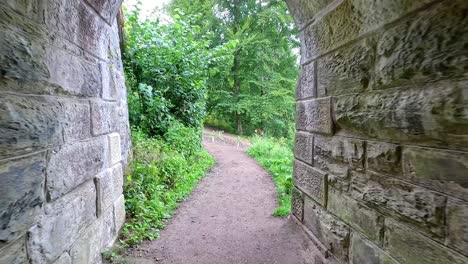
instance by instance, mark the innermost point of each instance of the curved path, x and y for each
(227, 220)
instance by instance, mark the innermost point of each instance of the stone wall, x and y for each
(64, 133)
(381, 169)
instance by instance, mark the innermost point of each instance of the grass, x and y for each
(276, 156)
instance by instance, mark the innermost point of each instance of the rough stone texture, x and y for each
(441, 170)
(22, 182)
(62, 94)
(407, 246)
(310, 181)
(394, 145)
(331, 231)
(71, 165)
(355, 214)
(297, 207)
(314, 116)
(304, 147)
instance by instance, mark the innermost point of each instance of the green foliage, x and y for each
(276, 157)
(164, 172)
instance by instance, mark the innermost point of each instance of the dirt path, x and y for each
(227, 219)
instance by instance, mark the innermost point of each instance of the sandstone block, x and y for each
(87, 248)
(73, 164)
(427, 115)
(311, 181)
(109, 232)
(107, 9)
(457, 223)
(307, 82)
(297, 207)
(329, 230)
(304, 10)
(363, 251)
(109, 87)
(32, 9)
(356, 215)
(440, 170)
(104, 117)
(407, 246)
(336, 155)
(384, 158)
(304, 147)
(62, 224)
(114, 148)
(401, 200)
(119, 212)
(109, 186)
(21, 199)
(14, 252)
(314, 116)
(64, 259)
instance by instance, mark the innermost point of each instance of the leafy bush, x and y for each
(276, 156)
(164, 172)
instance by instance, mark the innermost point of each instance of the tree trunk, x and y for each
(235, 67)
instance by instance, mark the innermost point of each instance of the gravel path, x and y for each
(227, 219)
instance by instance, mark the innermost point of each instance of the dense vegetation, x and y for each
(222, 62)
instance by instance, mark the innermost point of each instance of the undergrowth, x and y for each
(164, 171)
(276, 156)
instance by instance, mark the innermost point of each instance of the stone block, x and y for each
(14, 252)
(408, 246)
(115, 153)
(328, 229)
(104, 117)
(428, 115)
(64, 259)
(109, 232)
(304, 10)
(306, 87)
(32, 9)
(401, 200)
(457, 225)
(363, 251)
(310, 181)
(437, 169)
(77, 22)
(109, 86)
(61, 225)
(384, 158)
(21, 199)
(335, 155)
(304, 144)
(297, 206)
(429, 46)
(347, 70)
(119, 212)
(73, 164)
(314, 116)
(87, 248)
(109, 186)
(356, 215)
(107, 9)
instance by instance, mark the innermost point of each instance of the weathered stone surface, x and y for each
(304, 10)
(22, 182)
(407, 246)
(307, 87)
(304, 146)
(349, 20)
(109, 186)
(297, 207)
(430, 46)
(119, 212)
(332, 232)
(428, 115)
(337, 154)
(404, 201)
(457, 225)
(15, 252)
(62, 224)
(32, 9)
(347, 70)
(104, 117)
(73, 164)
(64, 259)
(356, 215)
(115, 153)
(109, 86)
(87, 249)
(109, 232)
(384, 158)
(314, 116)
(107, 9)
(363, 251)
(437, 169)
(311, 181)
